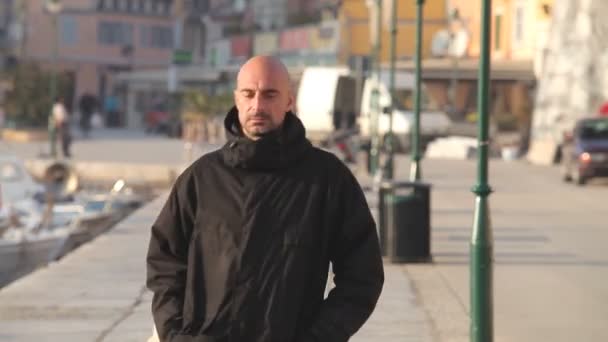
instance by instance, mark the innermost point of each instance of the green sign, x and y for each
(182, 57)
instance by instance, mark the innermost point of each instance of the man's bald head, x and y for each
(264, 66)
(263, 95)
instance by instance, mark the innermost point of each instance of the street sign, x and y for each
(182, 57)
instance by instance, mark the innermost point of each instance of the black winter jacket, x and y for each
(241, 250)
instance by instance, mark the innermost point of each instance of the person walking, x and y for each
(242, 247)
(87, 105)
(61, 122)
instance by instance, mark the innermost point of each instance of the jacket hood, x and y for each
(277, 150)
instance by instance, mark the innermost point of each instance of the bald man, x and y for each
(241, 250)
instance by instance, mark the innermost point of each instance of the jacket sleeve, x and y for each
(357, 265)
(167, 259)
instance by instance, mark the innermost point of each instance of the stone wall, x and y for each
(573, 82)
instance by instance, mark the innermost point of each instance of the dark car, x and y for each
(585, 151)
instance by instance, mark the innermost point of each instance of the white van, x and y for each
(325, 94)
(326, 102)
(433, 124)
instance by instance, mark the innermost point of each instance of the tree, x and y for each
(28, 103)
(199, 109)
(198, 103)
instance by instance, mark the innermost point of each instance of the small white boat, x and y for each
(15, 181)
(27, 243)
(21, 251)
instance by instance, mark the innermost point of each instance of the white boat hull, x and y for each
(18, 258)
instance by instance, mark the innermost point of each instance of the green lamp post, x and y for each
(376, 29)
(53, 7)
(481, 241)
(388, 141)
(415, 171)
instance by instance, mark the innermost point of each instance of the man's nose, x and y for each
(257, 102)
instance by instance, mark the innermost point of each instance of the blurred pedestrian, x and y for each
(61, 121)
(111, 108)
(87, 106)
(241, 250)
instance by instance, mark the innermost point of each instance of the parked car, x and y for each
(585, 151)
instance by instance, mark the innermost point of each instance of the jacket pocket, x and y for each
(211, 252)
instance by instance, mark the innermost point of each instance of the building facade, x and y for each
(92, 41)
(518, 43)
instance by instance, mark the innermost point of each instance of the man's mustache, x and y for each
(261, 115)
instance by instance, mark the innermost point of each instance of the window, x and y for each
(163, 8)
(160, 37)
(189, 36)
(519, 24)
(595, 129)
(114, 33)
(123, 5)
(68, 30)
(497, 32)
(144, 40)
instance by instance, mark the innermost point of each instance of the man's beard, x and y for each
(266, 131)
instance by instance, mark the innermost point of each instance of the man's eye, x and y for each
(248, 94)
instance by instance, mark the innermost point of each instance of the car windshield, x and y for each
(594, 129)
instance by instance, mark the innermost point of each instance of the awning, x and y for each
(185, 74)
(468, 69)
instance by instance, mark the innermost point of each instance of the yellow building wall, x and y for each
(510, 48)
(355, 34)
(534, 17)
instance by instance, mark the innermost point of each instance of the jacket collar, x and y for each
(275, 151)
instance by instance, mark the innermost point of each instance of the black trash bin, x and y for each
(404, 221)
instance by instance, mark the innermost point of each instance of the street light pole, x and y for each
(375, 110)
(53, 85)
(53, 7)
(172, 72)
(389, 163)
(415, 171)
(481, 248)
